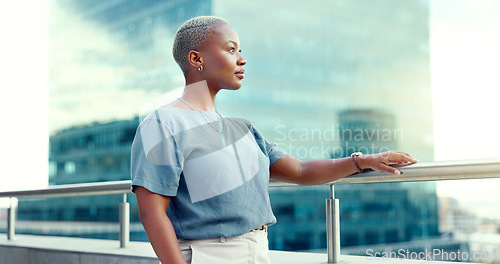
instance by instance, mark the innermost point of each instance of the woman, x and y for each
(212, 173)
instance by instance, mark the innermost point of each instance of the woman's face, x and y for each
(222, 60)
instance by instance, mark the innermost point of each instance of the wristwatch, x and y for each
(354, 157)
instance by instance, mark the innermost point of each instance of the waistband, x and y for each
(223, 239)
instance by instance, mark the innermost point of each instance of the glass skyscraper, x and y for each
(308, 63)
(323, 79)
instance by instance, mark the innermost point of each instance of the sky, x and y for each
(465, 60)
(24, 95)
(465, 57)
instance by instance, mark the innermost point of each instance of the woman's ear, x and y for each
(195, 58)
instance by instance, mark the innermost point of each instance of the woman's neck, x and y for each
(199, 96)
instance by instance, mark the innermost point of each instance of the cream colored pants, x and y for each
(249, 248)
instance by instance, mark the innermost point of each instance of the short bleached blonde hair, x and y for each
(191, 35)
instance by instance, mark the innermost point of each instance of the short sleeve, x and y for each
(270, 149)
(156, 160)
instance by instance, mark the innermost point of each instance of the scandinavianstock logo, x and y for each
(335, 140)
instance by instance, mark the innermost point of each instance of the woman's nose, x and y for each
(242, 61)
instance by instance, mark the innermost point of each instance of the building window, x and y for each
(69, 167)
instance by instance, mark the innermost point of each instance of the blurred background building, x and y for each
(319, 76)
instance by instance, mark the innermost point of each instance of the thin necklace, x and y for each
(206, 117)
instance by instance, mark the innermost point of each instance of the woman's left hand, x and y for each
(381, 161)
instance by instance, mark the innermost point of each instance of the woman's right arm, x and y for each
(153, 214)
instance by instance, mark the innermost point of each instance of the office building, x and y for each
(323, 79)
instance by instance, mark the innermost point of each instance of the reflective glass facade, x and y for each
(310, 62)
(323, 79)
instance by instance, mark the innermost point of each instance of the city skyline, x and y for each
(443, 151)
(299, 74)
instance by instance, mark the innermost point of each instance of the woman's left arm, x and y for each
(314, 172)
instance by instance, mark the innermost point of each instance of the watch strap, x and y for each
(354, 157)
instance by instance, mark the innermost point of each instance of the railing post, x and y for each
(332, 228)
(124, 222)
(11, 219)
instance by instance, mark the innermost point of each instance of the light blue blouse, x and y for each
(216, 171)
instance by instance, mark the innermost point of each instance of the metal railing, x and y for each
(430, 171)
(83, 189)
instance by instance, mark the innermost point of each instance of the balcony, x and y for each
(21, 249)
